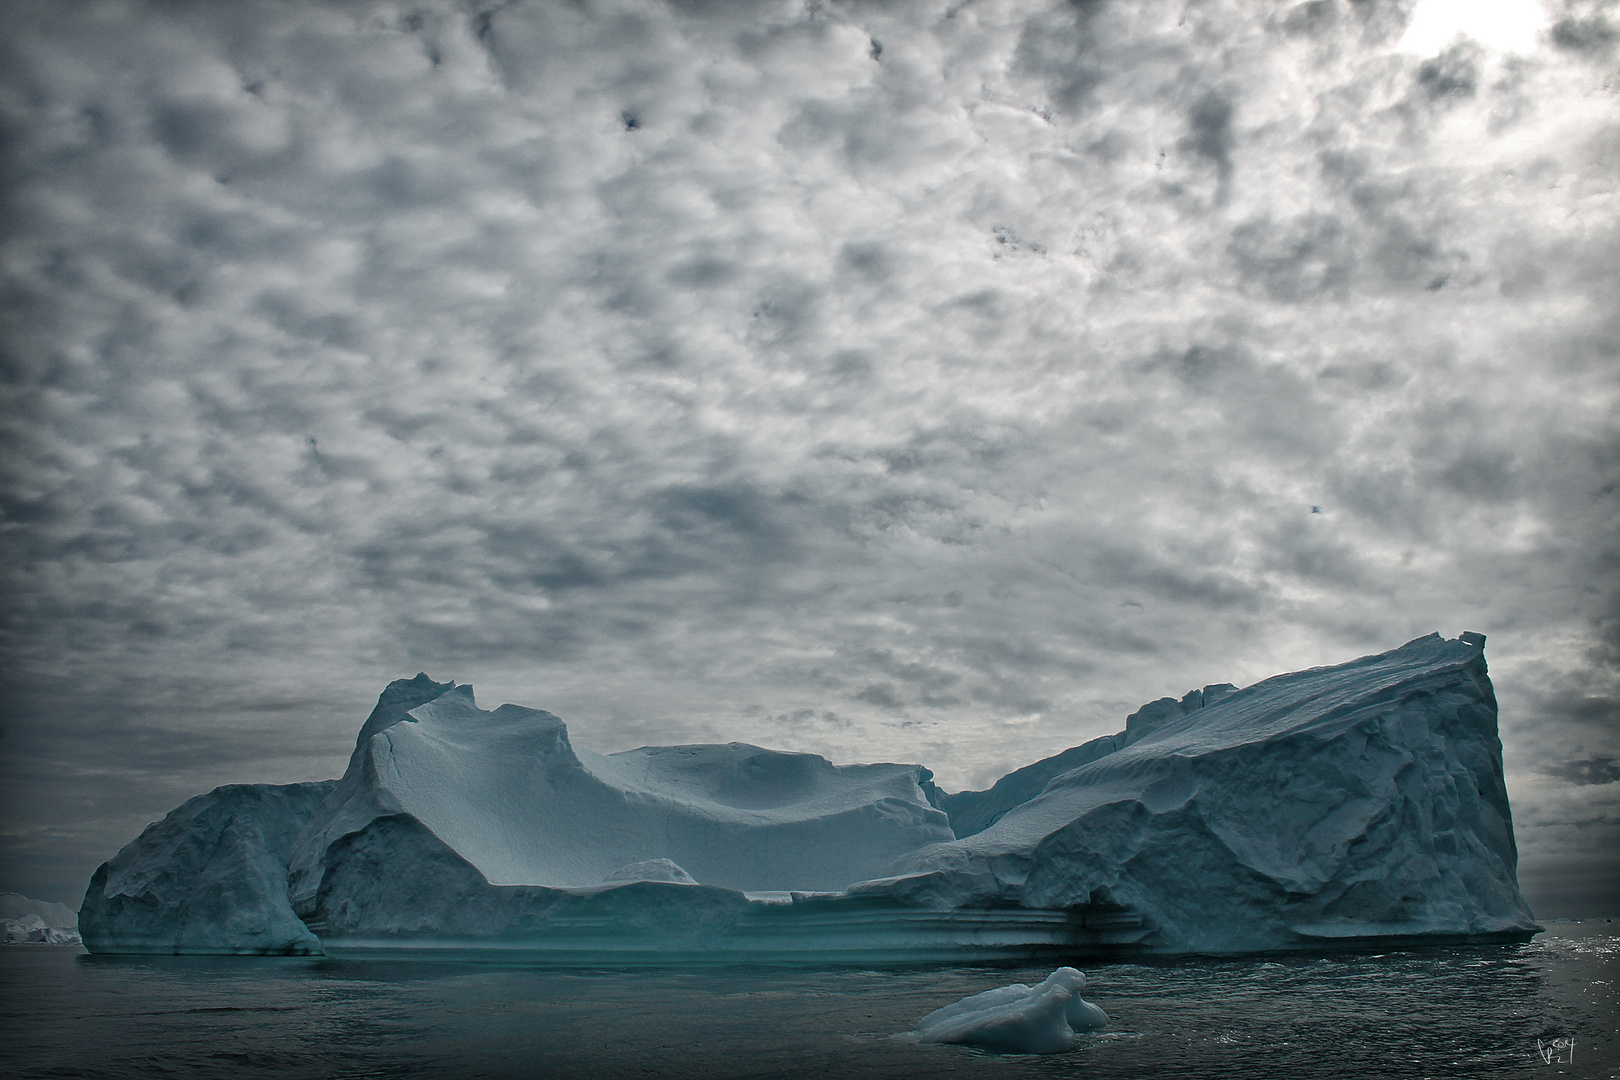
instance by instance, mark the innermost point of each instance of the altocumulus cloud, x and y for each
(918, 381)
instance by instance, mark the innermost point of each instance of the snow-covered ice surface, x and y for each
(507, 792)
(456, 825)
(1358, 801)
(1018, 1019)
(974, 811)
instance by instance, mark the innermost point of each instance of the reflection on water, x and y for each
(1462, 1012)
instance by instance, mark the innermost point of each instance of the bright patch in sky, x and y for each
(1504, 25)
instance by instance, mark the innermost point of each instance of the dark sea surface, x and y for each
(1440, 1012)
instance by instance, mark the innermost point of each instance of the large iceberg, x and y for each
(1361, 801)
(1364, 800)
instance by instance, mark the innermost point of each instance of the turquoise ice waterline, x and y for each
(1462, 1012)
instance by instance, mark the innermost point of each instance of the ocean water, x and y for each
(1492, 1011)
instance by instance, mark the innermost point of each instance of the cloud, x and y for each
(706, 371)
(1567, 836)
(1594, 770)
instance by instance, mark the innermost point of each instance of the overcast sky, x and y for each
(912, 381)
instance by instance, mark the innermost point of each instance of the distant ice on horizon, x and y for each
(26, 921)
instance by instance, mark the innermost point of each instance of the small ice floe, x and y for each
(1018, 1019)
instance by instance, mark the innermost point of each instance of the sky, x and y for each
(921, 381)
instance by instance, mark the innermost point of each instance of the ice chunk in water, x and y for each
(1018, 1019)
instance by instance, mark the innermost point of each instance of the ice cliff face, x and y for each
(1351, 802)
(355, 799)
(1362, 800)
(209, 878)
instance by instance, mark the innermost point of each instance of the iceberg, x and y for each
(25, 921)
(1360, 801)
(1018, 1019)
(1354, 803)
(211, 877)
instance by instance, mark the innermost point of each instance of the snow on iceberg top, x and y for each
(1362, 801)
(508, 792)
(1324, 699)
(1317, 703)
